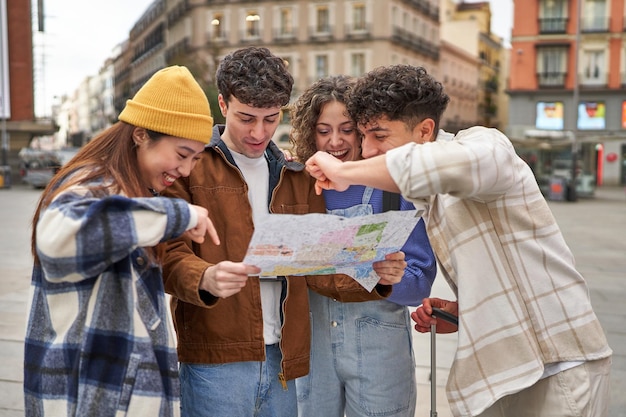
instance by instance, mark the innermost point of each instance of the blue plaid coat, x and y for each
(99, 340)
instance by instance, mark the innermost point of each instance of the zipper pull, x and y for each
(283, 381)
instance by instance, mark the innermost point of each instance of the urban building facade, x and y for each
(490, 55)
(18, 124)
(316, 39)
(567, 109)
(460, 67)
(460, 75)
(320, 38)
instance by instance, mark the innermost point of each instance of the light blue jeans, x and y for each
(362, 361)
(242, 389)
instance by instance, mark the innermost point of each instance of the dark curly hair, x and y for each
(399, 92)
(307, 109)
(256, 77)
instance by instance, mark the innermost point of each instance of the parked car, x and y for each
(37, 167)
(561, 174)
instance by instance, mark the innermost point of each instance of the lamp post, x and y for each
(5, 140)
(5, 170)
(5, 108)
(4, 115)
(571, 194)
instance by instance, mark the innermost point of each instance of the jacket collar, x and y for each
(273, 154)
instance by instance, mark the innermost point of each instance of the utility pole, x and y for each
(571, 189)
(4, 79)
(5, 106)
(5, 139)
(5, 169)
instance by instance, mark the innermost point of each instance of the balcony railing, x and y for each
(425, 7)
(323, 34)
(358, 33)
(218, 40)
(248, 36)
(177, 12)
(551, 79)
(415, 43)
(593, 80)
(283, 35)
(180, 48)
(552, 24)
(594, 24)
(491, 85)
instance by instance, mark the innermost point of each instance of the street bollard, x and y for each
(5, 176)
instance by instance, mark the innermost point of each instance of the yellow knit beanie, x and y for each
(171, 102)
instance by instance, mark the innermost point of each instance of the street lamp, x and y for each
(5, 140)
(571, 194)
(5, 109)
(4, 115)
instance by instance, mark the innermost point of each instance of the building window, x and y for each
(321, 66)
(286, 21)
(594, 72)
(217, 23)
(358, 17)
(323, 19)
(551, 63)
(357, 64)
(253, 23)
(553, 16)
(594, 16)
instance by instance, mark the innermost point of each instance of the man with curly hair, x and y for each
(242, 341)
(529, 342)
(345, 336)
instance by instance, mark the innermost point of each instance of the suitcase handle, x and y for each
(451, 318)
(433, 370)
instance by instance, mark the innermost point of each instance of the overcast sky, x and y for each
(501, 18)
(80, 34)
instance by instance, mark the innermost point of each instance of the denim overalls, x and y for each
(357, 347)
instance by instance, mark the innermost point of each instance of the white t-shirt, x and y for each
(257, 176)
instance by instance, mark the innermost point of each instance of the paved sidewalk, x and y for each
(16, 208)
(594, 228)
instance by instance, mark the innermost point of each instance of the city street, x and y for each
(594, 228)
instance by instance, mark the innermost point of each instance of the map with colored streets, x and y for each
(316, 244)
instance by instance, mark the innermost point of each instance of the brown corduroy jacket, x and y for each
(214, 330)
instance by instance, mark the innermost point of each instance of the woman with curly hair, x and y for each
(362, 359)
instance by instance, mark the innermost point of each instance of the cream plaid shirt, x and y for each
(522, 304)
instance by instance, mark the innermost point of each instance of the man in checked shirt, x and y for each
(529, 342)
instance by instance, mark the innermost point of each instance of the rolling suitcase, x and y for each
(444, 315)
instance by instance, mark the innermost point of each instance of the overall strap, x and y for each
(391, 201)
(367, 195)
